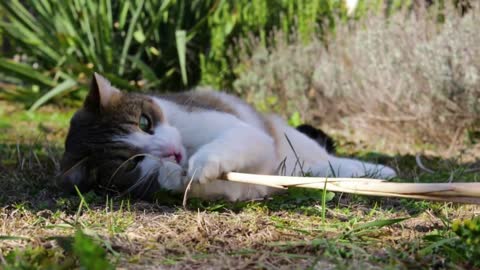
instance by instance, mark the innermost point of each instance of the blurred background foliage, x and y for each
(50, 48)
(390, 66)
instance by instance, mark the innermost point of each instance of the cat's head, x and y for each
(111, 134)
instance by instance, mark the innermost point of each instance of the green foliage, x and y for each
(55, 46)
(51, 48)
(90, 254)
(81, 250)
(32, 258)
(469, 233)
(369, 226)
(461, 244)
(295, 119)
(244, 19)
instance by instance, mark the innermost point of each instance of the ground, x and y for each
(42, 228)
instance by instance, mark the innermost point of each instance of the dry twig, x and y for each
(450, 192)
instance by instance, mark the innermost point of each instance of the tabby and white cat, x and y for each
(141, 143)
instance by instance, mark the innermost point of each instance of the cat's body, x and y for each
(204, 133)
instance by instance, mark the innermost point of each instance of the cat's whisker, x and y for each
(187, 189)
(137, 183)
(145, 177)
(128, 160)
(148, 176)
(74, 166)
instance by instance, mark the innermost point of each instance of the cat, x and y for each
(141, 143)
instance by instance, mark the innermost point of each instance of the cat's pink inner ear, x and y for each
(106, 92)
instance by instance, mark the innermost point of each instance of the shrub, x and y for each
(403, 74)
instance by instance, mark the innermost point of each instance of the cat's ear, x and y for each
(101, 94)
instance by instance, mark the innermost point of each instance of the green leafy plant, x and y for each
(51, 47)
(469, 233)
(246, 19)
(32, 258)
(55, 45)
(89, 253)
(80, 250)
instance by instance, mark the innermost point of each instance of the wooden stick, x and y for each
(459, 199)
(451, 192)
(290, 180)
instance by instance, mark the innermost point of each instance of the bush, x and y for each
(403, 74)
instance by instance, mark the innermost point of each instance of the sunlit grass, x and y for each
(42, 227)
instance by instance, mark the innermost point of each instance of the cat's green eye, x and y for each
(145, 124)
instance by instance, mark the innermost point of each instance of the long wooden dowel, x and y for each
(451, 192)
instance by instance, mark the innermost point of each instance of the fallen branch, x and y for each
(449, 192)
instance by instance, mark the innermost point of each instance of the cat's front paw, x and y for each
(206, 166)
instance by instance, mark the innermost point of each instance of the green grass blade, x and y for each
(123, 14)
(430, 248)
(104, 33)
(18, 10)
(128, 38)
(31, 41)
(28, 28)
(64, 86)
(87, 29)
(78, 40)
(119, 81)
(379, 223)
(9, 237)
(24, 72)
(181, 39)
(147, 72)
(324, 201)
(152, 29)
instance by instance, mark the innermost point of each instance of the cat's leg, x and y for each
(304, 155)
(240, 148)
(346, 167)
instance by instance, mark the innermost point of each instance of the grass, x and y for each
(41, 228)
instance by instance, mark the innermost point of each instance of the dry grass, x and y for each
(152, 236)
